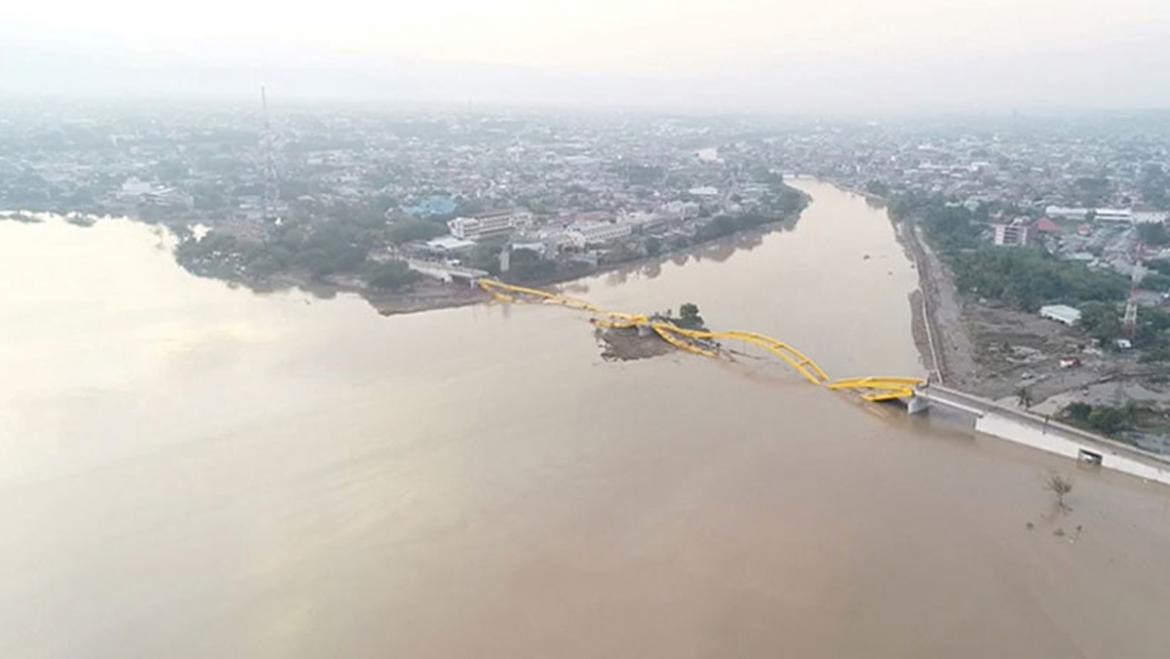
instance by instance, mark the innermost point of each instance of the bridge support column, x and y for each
(917, 405)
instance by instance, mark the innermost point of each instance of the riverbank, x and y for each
(940, 333)
(1021, 359)
(430, 294)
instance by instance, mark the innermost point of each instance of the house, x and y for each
(1014, 233)
(1046, 226)
(1061, 313)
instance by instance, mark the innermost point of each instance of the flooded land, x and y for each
(192, 469)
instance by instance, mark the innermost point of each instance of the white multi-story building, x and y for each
(1113, 215)
(1149, 217)
(484, 225)
(1100, 214)
(583, 235)
(1013, 234)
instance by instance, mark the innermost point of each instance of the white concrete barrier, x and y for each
(1056, 440)
(1035, 431)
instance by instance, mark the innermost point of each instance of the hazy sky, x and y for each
(821, 55)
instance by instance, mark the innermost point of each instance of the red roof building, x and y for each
(1045, 225)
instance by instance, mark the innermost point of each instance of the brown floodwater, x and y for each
(190, 469)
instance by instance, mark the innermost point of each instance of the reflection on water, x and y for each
(194, 470)
(717, 251)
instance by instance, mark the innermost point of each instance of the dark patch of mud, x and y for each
(628, 344)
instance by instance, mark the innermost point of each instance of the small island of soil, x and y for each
(627, 344)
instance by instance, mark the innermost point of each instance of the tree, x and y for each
(1156, 281)
(1101, 321)
(1027, 278)
(1153, 233)
(1155, 186)
(877, 188)
(486, 254)
(1093, 190)
(653, 246)
(1108, 420)
(411, 230)
(392, 275)
(689, 316)
(1024, 397)
(1060, 487)
(1160, 265)
(1078, 411)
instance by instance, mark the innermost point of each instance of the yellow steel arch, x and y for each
(510, 293)
(695, 341)
(879, 388)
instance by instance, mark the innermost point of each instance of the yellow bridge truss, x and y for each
(700, 342)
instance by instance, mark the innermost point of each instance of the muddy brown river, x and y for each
(193, 470)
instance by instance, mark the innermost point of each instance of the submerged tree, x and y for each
(1059, 486)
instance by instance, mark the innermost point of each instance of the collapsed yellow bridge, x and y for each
(697, 341)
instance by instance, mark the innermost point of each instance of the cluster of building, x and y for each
(1080, 186)
(600, 185)
(567, 182)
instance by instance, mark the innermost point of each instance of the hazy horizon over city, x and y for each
(838, 57)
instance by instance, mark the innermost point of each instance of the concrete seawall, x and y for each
(1036, 431)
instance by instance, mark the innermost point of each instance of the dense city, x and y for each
(1041, 242)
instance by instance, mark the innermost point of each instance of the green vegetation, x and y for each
(1116, 420)
(1156, 281)
(331, 249)
(1153, 233)
(1026, 278)
(1155, 186)
(1153, 334)
(949, 227)
(787, 203)
(638, 174)
(411, 230)
(1102, 321)
(392, 275)
(878, 188)
(527, 264)
(486, 255)
(688, 316)
(319, 250)
(1105, 419)
(1092, 190)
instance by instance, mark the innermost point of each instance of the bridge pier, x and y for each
(917, 405)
